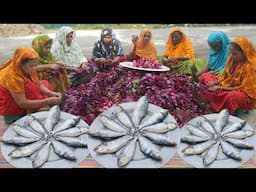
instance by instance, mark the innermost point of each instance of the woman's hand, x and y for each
(116, 60)
(168, 62)
(54, 100)
(215, 88)
(85, 66)
(101, 60)
(56, 94)
(134, 39)
(212, 83)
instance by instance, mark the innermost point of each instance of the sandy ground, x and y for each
(86, 39)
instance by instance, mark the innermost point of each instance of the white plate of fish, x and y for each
(129, 65)
(217, 140)
(47, 139)
(134, 135)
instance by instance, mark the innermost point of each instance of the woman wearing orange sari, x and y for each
(179, 53)
(21, 91)
(235, 89)
(143, 46)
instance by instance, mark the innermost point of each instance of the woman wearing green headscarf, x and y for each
(49, 69)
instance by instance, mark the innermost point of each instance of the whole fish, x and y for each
(241, 134)
(230, 151)
(72, 141)
(222, 120)
(162, 127)
(36, 125)
(127, 153)
(140, 110)
(192, 139)
(124, 117)
(42, 156)
(110, 124)
(234, 127)
(27, 150)
(160, 139)
(24, 132)
(105, 133)
(53, 118)
(239, 143)
(196, 131)
(68, 123)
(112, 146)
(149, 149)
(19, 140)
(155, 118)
(63, 151)
(211, 155)
(72, 132)
(206, 125)
(198, 148)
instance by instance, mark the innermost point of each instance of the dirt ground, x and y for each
(9, 30)
(15, 35)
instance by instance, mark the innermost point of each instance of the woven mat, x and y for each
(89, 162)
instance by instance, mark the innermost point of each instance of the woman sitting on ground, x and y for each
(179, 53)
(235, 89)
(68, 52)
(108, 50)
(49, 69)
(143, 46)
(21, 92)
(219, 50)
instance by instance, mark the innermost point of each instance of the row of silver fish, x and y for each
(126, 131)
(38, 139)
(208, 137)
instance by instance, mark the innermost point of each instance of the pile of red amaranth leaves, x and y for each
(119, 85)
(147, 63)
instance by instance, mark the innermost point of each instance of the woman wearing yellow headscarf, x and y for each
(143, 46)
(235, 89)
(20, 89)
(179, 53)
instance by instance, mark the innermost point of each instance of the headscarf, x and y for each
(183, 48)
(217, 60)
(11, 76)
(244, 76)
(121, 50)
(37, 44)
(114, 49)
(147, 51)
(71, 55)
